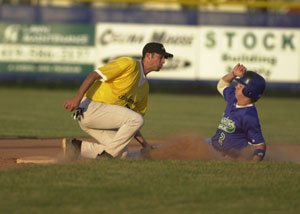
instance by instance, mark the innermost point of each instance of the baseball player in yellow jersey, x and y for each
(111, 102)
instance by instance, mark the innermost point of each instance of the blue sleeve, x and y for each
(252, 129)
(229, 94)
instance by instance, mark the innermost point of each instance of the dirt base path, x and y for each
(176, 148)
(13, 148)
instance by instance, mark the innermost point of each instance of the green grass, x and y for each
(39, 113)
(30, 112)
(148, 186)
(152, 187)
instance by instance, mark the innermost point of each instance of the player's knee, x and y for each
(138, 121)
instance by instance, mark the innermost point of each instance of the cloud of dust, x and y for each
(192, 147)
(185, 147)
(283, 152)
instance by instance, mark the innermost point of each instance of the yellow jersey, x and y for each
(123, 83)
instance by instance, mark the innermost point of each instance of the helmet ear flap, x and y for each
(247, 92)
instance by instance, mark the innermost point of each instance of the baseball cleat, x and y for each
(71, 148)
(104, 156)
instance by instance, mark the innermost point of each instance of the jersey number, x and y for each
(221, 138)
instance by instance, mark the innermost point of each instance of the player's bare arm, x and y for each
(73, 103)
(259, 152)
(237, 71)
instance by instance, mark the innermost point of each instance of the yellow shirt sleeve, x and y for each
(115, 68)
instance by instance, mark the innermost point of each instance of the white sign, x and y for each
(114, 40)
(272, 52)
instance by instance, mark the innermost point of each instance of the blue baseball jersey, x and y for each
(238, 127)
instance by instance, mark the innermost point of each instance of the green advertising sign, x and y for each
(41, 48)
(39, 68)
(42, 34)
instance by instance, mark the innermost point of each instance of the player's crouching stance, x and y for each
(111, 103)
(240, 126)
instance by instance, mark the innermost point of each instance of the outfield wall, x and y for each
(68, 43)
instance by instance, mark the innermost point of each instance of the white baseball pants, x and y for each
(112, 126)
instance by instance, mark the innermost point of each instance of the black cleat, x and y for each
(71, 148)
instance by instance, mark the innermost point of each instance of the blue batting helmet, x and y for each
(254, 84)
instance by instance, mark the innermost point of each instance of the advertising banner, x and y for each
(200, 52)
(272, 52)
(114, 40)
(39, 48)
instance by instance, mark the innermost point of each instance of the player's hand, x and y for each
(239, 70)
(146, 150)
(147, 145)
(72, 104)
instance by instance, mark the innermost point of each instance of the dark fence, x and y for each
(40, 14)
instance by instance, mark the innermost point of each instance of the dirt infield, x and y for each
(185, 147)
